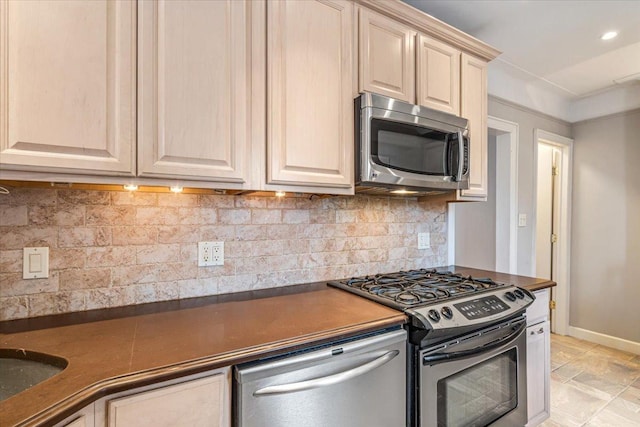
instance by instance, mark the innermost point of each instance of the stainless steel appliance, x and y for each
(408, 149)
(356, 383)
(467, 346)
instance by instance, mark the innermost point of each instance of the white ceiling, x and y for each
(553, 58)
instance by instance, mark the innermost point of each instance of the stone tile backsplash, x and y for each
(111, 249)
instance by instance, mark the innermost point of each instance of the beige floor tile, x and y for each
(572, 342)
(567, 400)
(561, 354)
(609, 418)
(613, 370)
(626, 409)
(567, 372)
(603, 351)
(558, 419)
(597, 385)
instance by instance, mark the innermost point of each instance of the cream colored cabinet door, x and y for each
(309, 93)
(538, 373)
(194, 89)
(202, 402)
(386, 57)
(438, 75)
(67, 79)
(83, 418)
(474, 108)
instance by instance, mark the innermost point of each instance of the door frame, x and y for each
(511, 135)
(562, 252)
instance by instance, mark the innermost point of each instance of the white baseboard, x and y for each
(606, 340)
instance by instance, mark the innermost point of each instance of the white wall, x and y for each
(605, 250)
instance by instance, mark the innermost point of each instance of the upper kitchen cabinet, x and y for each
(474, 108)
(310, 95)
(438, 75)
(68, 75)
(194, 90)
(386, 56)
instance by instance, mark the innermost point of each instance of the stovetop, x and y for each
(441, 301)
(415, 288)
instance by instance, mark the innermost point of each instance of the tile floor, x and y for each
(593, 385)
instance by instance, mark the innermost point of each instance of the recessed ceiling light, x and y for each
(609, 35)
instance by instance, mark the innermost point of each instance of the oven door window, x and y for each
(409, 147)
(481, 394)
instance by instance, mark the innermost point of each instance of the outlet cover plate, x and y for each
(210, 253)
(424, 240)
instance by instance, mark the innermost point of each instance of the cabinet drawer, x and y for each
(539, 310)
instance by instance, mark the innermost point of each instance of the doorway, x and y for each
(552, 221)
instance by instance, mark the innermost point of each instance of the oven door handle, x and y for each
(518, 328)
(328, 380)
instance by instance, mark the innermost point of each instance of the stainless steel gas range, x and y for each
(466, 346)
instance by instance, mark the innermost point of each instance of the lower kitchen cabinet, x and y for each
(538, 360)
(198, 400)
(83, 418)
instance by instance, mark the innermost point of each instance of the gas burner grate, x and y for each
(417, 287)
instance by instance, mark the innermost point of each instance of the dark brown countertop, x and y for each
(115, 349)
(165, 340)
(529, 283)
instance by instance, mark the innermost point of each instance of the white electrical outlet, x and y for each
(210, 253)
(424, 240)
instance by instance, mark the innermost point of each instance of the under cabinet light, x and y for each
(176, 189)
(609, 35)
(131, 187)
(404, 192)
(280, 193)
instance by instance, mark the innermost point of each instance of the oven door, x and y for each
(476, 380)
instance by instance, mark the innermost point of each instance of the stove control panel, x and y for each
(482, 308)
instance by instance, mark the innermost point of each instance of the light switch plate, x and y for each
(522, 220)
(35, 263)
(424, 240)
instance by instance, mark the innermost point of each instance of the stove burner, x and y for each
(418, 287)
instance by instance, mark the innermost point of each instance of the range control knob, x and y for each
(447, 312)
(519, 293)
(434, 315)
(510, 296)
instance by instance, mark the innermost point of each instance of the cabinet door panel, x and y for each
(438, 75)
(474, 108)
(67, 73)
(387, 57)
(538, 372)
(310, 104)
(194, 89)
(200, 402)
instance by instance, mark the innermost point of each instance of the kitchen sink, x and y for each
(21, 369)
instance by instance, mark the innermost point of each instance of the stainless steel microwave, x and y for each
(403, 148)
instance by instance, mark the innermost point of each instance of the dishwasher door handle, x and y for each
(328, 380)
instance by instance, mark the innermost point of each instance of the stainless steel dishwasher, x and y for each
(355, 383)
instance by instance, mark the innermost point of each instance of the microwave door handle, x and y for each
(460, 156)
(499, 342)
